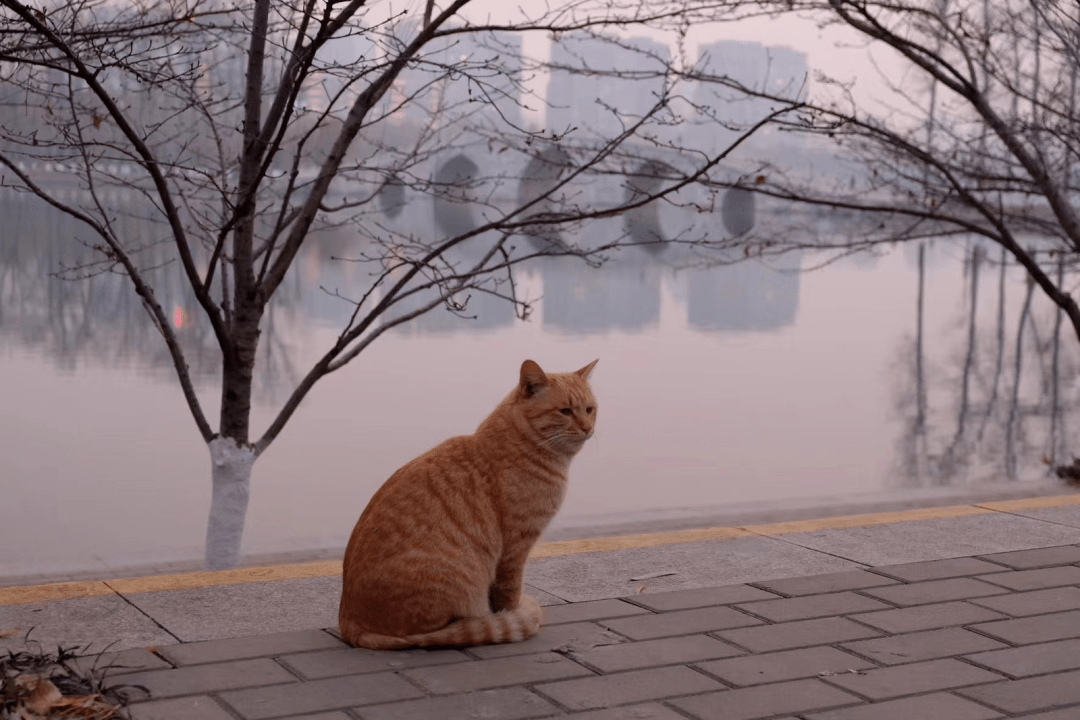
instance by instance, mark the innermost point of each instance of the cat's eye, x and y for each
(590, 410)
(566, 411)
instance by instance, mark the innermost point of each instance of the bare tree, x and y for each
(243, 130)
(973, 132)
(979, 138)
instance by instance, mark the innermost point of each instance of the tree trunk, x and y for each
(231, 455)
(230, 471)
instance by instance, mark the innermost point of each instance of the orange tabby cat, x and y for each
(438, 555)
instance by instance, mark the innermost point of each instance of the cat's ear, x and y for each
(532, 379)
(583, 373)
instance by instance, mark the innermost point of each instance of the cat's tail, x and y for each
(502, 627)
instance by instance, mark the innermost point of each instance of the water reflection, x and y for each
(744, 296)
(623, 295)
(999, 405)
(54, 305)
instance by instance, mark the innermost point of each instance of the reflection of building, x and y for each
(620, 295)
(745, 296)
(583, 92)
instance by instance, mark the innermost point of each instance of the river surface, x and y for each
(753, 385)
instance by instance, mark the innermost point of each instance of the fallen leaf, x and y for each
(40, 699)
(8, 632)
(641, 589)
(41, 694)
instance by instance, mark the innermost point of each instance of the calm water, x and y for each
(751, 385)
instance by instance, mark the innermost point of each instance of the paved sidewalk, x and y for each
(968, 638)
(953, 635)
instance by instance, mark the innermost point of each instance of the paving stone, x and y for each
(911, 679)
(765, 701)
(1042, 557)
(1032, 659)
(497, 672)
(933, 591)
(1038, 629)
(186, 708)
(589, 610)
(320, 716)
(543, 597)
(577, 636)
(701, 597)
(1068, 515)
(679, 622)
(506, 704)
(939, 706)
(801, 633)
(315, 696)
(927, 617)
(628, 687)
(356, 661)
(1036, 602)
(1036, 579)
(650, 653)
(649, 711)
(787, 665)
(926, 645)
(937, 569)
(1066, 714)
(118, 663)
(211, 651)
(926, 540)
(829, 582)
(96, 624)
(712, 563)
(221, 612)
(1037, 693)
(812, 606)
(208, 678)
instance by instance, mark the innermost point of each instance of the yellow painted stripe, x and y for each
(1035, 503)
(53, 591)
(187, 581)
(622, 542)
(848, 521)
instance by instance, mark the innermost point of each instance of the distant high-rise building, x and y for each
(777, 71)
(485, 66)
(600, 84)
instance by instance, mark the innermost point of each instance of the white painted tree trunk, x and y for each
(231, 475)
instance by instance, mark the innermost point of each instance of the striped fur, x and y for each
(438, 555)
